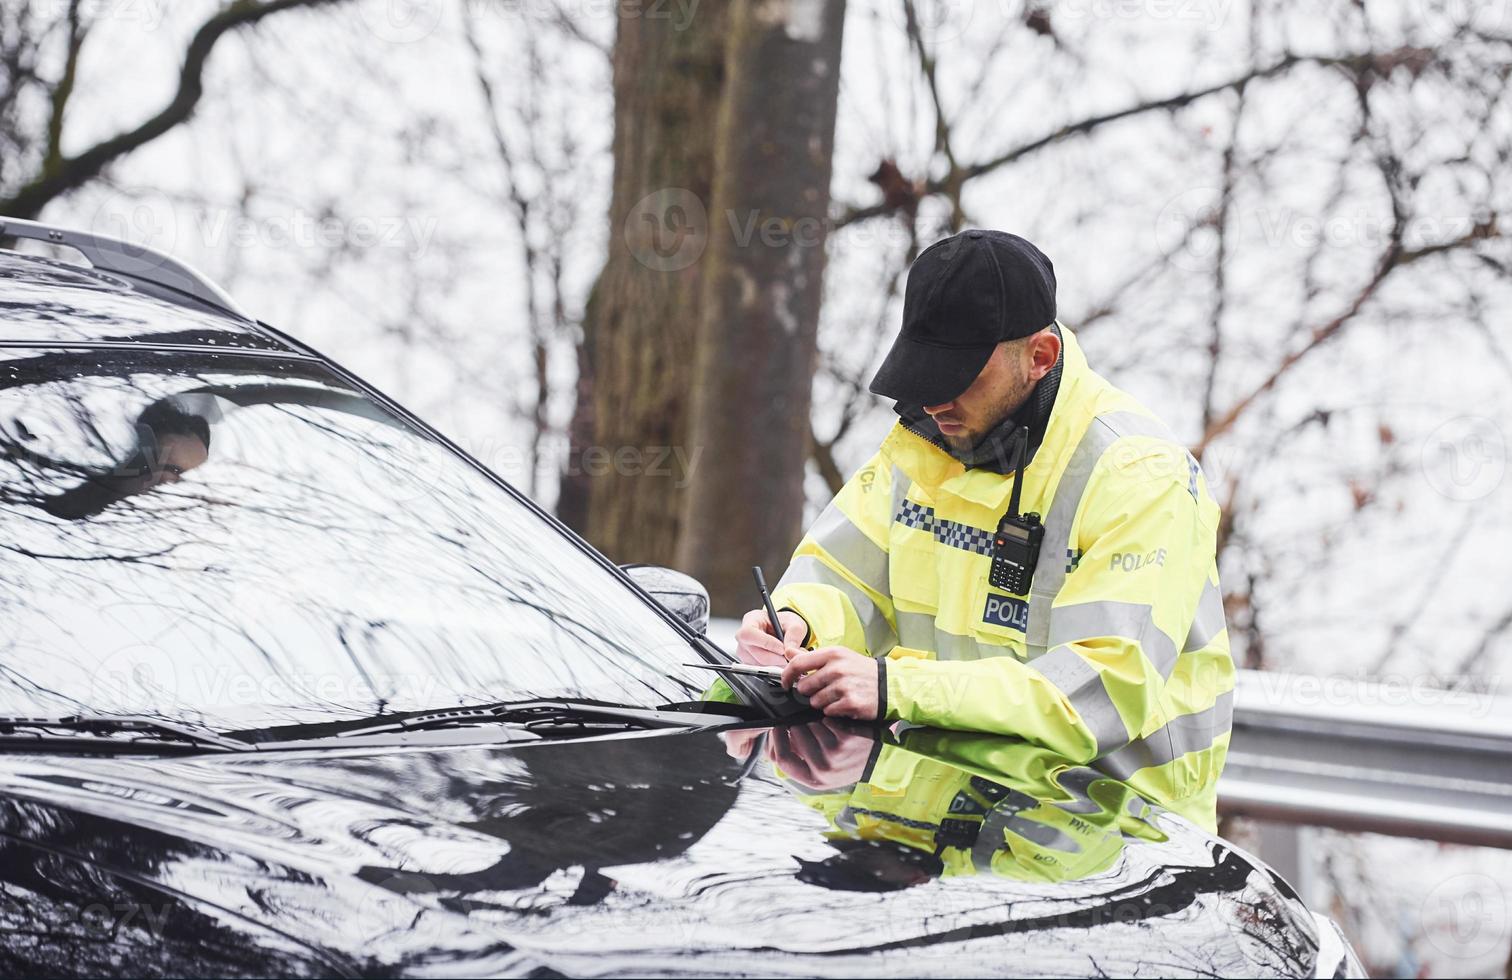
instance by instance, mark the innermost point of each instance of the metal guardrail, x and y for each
(1406, 761)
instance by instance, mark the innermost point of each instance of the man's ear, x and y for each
(1044, 351)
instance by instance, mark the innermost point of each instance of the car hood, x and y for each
(808, 850)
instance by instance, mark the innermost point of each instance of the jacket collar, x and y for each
(918, 449)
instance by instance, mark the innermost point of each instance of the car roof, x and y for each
(131, 296)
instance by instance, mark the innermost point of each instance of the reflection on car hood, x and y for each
(647, 854)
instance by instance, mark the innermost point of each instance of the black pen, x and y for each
(766, 600)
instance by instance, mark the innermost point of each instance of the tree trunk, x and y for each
(628, 463)
(757, 344)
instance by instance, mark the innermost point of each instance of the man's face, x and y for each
(1004, 384)
(178, 455)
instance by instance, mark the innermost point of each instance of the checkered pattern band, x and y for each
(962, 536)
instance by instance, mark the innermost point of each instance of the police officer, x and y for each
(1030, 552)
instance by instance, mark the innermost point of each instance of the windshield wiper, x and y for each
(544, 718)
(93, 732)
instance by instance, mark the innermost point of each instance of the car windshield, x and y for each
(242, 541)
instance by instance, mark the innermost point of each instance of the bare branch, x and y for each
(1367, 65)
(1394, 257)
(62, 92)
(68, 173)
(952, 183)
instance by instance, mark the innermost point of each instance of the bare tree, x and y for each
(635, 364)
(757, 340)
(540, 188)
(40, 171)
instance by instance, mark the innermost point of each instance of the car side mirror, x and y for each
(683, 594)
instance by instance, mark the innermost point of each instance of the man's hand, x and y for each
(755, 644)
(822, 755)
(740, 742)
(836, 680)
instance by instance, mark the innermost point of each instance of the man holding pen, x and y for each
(1029, 552)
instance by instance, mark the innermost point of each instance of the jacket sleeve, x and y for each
(1146, 538)
(837, 580)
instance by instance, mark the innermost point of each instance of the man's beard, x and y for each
(1011, 402)
(961, 445)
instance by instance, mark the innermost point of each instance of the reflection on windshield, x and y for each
(170, 443)
(244, 541)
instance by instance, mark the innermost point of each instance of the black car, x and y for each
(290, 685)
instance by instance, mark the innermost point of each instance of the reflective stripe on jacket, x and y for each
(1118, 653)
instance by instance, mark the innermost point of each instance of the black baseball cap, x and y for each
(966, 294)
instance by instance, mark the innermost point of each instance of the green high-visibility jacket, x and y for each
(1118, 655)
